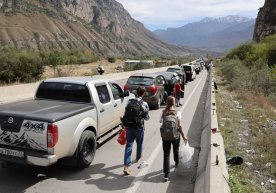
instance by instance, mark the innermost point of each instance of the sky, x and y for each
(163, 14)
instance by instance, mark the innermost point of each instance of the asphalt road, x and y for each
(106, 172)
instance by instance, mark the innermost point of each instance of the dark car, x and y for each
(190, 71)
(171, 79)
(154, 85)
(180, 71)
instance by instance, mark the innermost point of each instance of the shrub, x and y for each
(259, 79)
(111, 59)
(55, 59)
(23, 66)
(250, 53)
(65, 72)
(258, 51)
(240, 52)
(28, 66)
(271, 57)
(251, 67)
(138, 66)
(79, 56)
(174, 62)
(161, 63)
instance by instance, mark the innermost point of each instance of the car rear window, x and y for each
(140, 80)
(167, 76)
(64, 92)
(173, 70)
(187, 68)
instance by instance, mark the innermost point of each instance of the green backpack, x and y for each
(169, 129)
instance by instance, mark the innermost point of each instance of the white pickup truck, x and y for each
(64, 120)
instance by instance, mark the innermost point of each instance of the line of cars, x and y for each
(161, 84)
(69, 116)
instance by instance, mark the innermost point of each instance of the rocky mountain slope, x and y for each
(266, 21)
(103, 26)
(216, 34)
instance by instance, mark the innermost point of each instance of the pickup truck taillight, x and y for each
(52, 135)
(125, 87)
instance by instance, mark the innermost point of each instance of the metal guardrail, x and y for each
(212, 174)
(219, 179)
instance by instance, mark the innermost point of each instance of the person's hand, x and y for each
(185, 140)
(121, 118)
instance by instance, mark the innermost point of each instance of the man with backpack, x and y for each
(136, 112)
(170, 131)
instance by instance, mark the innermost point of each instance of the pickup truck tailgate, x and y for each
(24, 124)
(28, 134)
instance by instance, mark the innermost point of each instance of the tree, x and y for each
(56, 58)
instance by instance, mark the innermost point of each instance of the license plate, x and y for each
(12, 153)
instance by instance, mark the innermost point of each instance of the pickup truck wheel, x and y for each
(86, 149)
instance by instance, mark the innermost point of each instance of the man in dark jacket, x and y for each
(135, 127)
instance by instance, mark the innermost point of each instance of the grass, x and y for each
(248, 132)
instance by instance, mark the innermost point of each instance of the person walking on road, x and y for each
(170, 131)
(136, 112)
(177, 92)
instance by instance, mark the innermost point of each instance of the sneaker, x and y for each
(176, 165)
(165, 178)
(127, 171)
(138, 160)
(143, 164)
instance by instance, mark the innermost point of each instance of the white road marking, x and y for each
(139, 177)
(190, 96)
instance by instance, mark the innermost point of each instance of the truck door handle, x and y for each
(102, 110)
(115, 105)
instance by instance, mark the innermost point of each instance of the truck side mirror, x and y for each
(126, 93)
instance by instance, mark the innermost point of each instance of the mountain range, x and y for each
(103, 26)
(213, 34)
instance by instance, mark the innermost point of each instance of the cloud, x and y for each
(171, 13)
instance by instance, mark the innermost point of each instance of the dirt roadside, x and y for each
(249, 130)
(83, 69)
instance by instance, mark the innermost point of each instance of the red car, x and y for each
(154, 85)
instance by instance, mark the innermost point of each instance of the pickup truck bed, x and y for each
(43, 110)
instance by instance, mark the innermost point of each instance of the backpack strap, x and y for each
(171, 112)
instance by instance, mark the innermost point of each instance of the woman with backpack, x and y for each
(170, 131)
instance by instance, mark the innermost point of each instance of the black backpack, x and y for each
(169, 129)
(133, 116)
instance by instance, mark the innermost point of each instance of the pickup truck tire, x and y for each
(86, 149)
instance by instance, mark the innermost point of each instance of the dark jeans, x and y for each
(131, 135)
(165, 96)
(167, 150)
